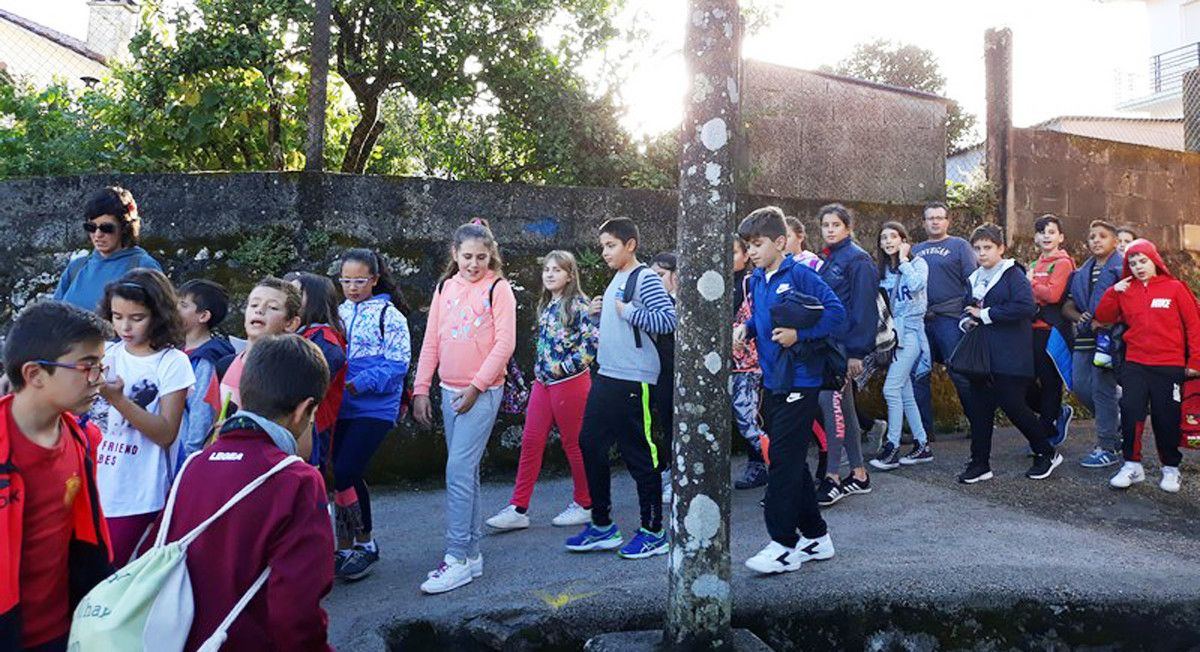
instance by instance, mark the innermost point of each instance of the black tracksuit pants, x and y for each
(1156, 388)
(1007, 393)
(618, 411)
(791, 502)
(1044, 395)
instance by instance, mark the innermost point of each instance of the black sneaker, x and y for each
(754, 475)
(1043, 466)
(829, 492)
(358, 565)
(975, 473)
(853, 485)
(920, 454)
(888, 457)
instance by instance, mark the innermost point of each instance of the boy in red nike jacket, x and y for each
(1162, 347)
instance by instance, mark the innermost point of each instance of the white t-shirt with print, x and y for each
(133, 472)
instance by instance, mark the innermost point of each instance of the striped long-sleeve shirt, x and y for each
(651, 311)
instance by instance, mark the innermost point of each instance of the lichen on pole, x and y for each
(699, 600)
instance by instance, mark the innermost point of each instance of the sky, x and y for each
(1067, 53)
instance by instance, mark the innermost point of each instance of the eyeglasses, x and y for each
(95, 370)
(354, 282)
(107, 228)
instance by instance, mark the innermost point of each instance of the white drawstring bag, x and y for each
(148, 604)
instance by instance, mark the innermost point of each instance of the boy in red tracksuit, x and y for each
(53, 541)
(1162, 347)
(283, 524)
(1049, 278)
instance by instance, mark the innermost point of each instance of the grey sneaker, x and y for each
(358, 564)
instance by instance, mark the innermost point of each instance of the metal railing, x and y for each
(1167, 68)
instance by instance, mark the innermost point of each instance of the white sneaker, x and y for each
(1170, 479)
(509, 519)
(449, 575)
(775, 558)
(572, 515)
(476, 564)
(1130, 473)
(815, 549)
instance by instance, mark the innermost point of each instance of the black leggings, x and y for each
(354, 443)
(1007, 393)
(1143, 386)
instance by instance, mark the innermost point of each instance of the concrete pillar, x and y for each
(698, 601)
(111, 25)
(314, 151)
(1191, 110)
(997, 59)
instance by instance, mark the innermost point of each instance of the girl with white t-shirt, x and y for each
(143, 401)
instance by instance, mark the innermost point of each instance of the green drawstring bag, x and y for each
(148, 604)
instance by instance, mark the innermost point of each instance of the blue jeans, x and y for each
(467, 435)
(898, 388)
(1097, 389)
(943, 335)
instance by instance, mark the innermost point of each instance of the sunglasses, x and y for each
(107, 228)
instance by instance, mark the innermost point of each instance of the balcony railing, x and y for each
(1167, 69)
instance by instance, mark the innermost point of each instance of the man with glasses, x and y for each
(112, 225)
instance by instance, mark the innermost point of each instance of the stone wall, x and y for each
(234, 228)
(1157, 191)
(811, 134)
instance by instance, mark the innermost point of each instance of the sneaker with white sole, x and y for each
(1170, 479)
(1100, 458)
(596, 538)
(888, 457)
(775, 558)
(508, 519)
(818, 549)
(920, 454)
(572, 515)
(1130, 474)
(1044, 465)
(449, 575)
(476, 564)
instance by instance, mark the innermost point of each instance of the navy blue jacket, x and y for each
(1077, 287)
(764, 294)
(851, 274)
(1007, 320)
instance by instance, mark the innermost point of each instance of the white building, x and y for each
(39, 54)
(1156, 87)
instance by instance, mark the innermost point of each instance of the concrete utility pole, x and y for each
(1191, 110)
(997, 62)
(314, 151)
(699, 602)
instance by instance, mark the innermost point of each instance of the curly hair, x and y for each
(150, 288)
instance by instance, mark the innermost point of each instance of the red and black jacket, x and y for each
(90, 556)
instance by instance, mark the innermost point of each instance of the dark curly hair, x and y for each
(119, 203)
(150, 288)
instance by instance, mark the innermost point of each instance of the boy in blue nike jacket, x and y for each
(789, 412)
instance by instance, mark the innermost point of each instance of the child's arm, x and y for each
(428, 362)
(1108, 311)
(335, 356)
(1190, 315)
(300, 573)
(587, 336)
(201, 413)
(1048, 290)
(161, 428)
(863, 324)
(914, 273)
(657, 312)
(833, 317)
(1020, 304)
(504, 319)
(387, 375)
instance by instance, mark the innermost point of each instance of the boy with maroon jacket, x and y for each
(1162, 347)
(53, 540)
(284, 524)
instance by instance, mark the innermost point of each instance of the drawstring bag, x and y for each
(516, 390)
(971, 357)
(148, 604)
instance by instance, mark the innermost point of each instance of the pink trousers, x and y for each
(559, 404)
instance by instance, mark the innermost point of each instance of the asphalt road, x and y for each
(918, 538)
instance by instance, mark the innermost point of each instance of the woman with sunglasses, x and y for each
(110, 219)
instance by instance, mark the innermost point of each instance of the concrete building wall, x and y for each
(1082, 179)
(27, 55)
(821, 136)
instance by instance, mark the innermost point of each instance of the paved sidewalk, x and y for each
(919, 537)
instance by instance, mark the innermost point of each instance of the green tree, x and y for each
(908, 66)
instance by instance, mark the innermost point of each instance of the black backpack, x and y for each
(664, 343)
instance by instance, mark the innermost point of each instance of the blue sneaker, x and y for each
(1063, 426)
(1100, 458)
(594, 538)
(645, 544)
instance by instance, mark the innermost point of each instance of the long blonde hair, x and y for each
(566, 307)
(476, 229)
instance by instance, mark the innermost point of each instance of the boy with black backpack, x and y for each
(783, 291)
(618, 406)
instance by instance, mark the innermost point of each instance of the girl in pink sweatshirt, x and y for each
(470, 335)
